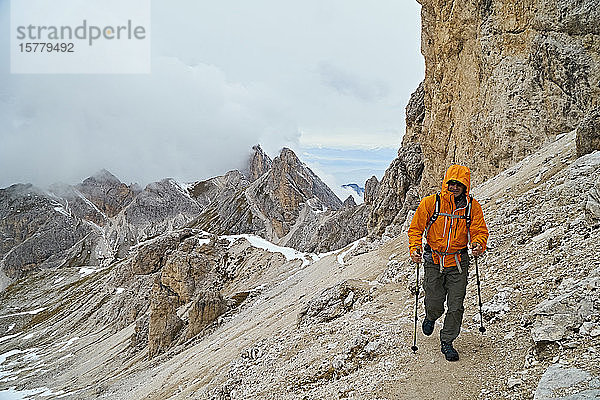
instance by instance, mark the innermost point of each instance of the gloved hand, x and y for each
(477, 249)
(415, 255)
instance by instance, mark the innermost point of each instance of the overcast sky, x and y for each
(311, 74)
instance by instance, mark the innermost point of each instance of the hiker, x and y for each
(446, 252)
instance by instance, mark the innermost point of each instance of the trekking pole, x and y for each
(414, 347)
(481, 328)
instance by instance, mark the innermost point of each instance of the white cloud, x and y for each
(225, 76)
(180, 121)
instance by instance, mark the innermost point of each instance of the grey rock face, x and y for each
(76, 204)
(397, 192)
(371, 189)
(226, 207)
(36, 230)
(279, 194)
(161, 207)
(415, 112)
(107, 192)
(323, 232)
(219, 189)
(288, 205)
(349, 202)
(588, 133)
(258, 164)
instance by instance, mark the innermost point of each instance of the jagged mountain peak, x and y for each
(289, 175)
(349, 202)
(102, 176)
(258, 163)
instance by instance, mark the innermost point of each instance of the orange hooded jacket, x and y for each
(448, 235)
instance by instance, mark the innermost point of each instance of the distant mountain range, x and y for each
(101, 219)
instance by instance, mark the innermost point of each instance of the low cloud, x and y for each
(350, 84)
(182, 121)
(224, 77)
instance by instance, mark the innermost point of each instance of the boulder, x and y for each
(558, 378)
(333, 302)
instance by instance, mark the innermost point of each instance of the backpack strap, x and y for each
(434, 216)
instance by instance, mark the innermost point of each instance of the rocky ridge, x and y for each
(99, 220)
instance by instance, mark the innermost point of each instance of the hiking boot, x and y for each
(428, 327)
(449, 351)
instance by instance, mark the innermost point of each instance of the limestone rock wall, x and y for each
(502, 78)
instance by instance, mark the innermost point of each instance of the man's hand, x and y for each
(415, 255)
(477, 249)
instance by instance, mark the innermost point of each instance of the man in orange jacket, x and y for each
(456, 225)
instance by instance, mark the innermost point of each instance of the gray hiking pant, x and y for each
(450, 286)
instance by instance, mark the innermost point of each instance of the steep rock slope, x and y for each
(41, 230)
(339, 327)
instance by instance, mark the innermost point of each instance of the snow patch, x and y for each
(34, 312)
(90, 204)
(62, 210)
(68, 343)
(83, 271)
(543, 235)
(11, 353)
(258, 242)
(202, 242)
(7, 337)
(12, 394)
(183, 188)
(340, 257)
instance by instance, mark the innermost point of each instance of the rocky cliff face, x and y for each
(41, 230)
(397, 193)
(107, 192)
(503, 78)
(281, 193)
(259, 164)
(287, 204)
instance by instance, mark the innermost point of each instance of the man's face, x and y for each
(456, 188)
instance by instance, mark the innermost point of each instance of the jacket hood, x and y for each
(457, 173)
